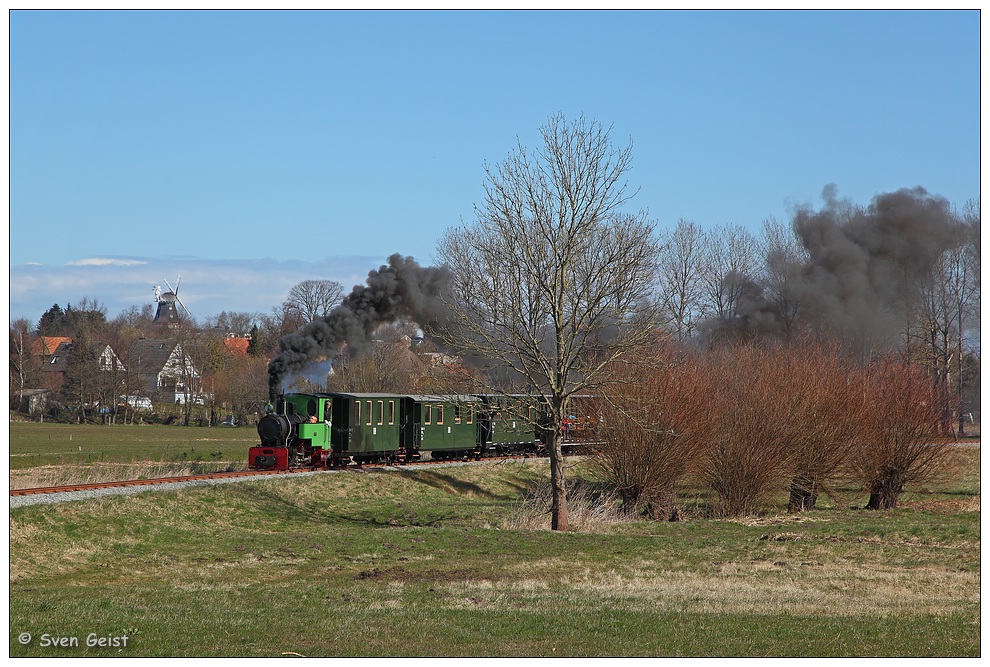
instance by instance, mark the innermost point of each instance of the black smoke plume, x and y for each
(401, 290)
(861, 267)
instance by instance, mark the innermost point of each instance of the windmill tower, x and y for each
(167, 313)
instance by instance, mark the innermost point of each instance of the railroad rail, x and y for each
(149, 482)
(41, 490)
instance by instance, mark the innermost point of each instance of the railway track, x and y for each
(146, 482)
(68, 488)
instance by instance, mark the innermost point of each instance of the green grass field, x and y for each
(33, 444)
(52, 454)
(442, 562)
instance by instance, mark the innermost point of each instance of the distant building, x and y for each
(56, 362)
(237, 345)
(164, 370)
(35, 401)
(45, 346)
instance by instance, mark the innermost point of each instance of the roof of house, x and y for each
(149, 355)
(237, 346)
(59, 361)
(44, 345)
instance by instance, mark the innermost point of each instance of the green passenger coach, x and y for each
(511, 426)
(447, 426)
(372, 428)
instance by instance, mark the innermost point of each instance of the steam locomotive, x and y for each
(337, 429)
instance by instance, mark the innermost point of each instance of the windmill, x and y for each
(167, 312)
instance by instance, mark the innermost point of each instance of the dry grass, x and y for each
(589, 507)
(95, 473)
(758, 587)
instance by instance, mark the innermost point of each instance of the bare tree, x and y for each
(969, 314)
(783, 258)
(730, 265)
(282, 321)
(944, 301)
(138, 318)
(386, 365)
(679, 278)
(191, 358)
(552, 278)
(235, 322)
(25, 368)
(314, 298)
(241, 386)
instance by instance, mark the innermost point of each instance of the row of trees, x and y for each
(749, 420)
(925, 305)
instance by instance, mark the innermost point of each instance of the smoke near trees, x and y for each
(856, 272)
(836, 351)
(402, 289)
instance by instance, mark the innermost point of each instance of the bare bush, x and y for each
(655, 425)
(824, 405)
(749, 452)
(903, 440)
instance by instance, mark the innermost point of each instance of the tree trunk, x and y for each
(884, 492)
(558, 488)
(804, 494)
(660, 505)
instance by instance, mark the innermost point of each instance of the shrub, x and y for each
(824, 404)
(654, 428)
(589, 506)
(903, 440)
(749, 452)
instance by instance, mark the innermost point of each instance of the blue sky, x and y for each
(247, 151)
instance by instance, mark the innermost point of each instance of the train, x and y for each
(334, 430)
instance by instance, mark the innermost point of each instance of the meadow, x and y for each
(48, 454)
(457, 561)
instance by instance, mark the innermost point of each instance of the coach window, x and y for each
(428, 409)
(439, 414)
(470, 414)
(357, 413)
(381, 412)
(391, 412)
(368, 407)
(457, 413)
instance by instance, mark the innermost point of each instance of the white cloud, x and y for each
(106, 261)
